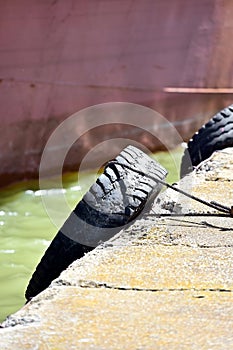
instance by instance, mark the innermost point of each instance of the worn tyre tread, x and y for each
(215, 135)
(120, 193)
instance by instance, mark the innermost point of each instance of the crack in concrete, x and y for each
(93, 284)
(174, 244)
(14, 320)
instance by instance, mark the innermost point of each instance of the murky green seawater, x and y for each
(26, 230)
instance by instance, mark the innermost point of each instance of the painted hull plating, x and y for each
(58, 57)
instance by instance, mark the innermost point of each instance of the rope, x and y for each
(212, 204)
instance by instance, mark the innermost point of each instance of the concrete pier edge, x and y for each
(163, 283)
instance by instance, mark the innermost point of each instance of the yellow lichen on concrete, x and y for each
(84, 318)
(159, 267)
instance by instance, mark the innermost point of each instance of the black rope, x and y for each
(215, 205)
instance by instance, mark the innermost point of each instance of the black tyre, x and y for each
(215, 135)
(118, 197)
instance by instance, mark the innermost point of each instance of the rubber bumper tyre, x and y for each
(216, 134)
(126, 187)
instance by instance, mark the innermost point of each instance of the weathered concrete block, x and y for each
(165, 282)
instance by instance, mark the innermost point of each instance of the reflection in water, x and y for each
(26, 230)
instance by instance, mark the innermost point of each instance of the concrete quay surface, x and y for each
(165, 282)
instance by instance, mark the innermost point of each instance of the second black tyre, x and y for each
(216, 134)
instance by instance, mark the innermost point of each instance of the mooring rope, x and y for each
(212, 204)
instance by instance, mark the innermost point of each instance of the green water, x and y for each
(26, 230)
